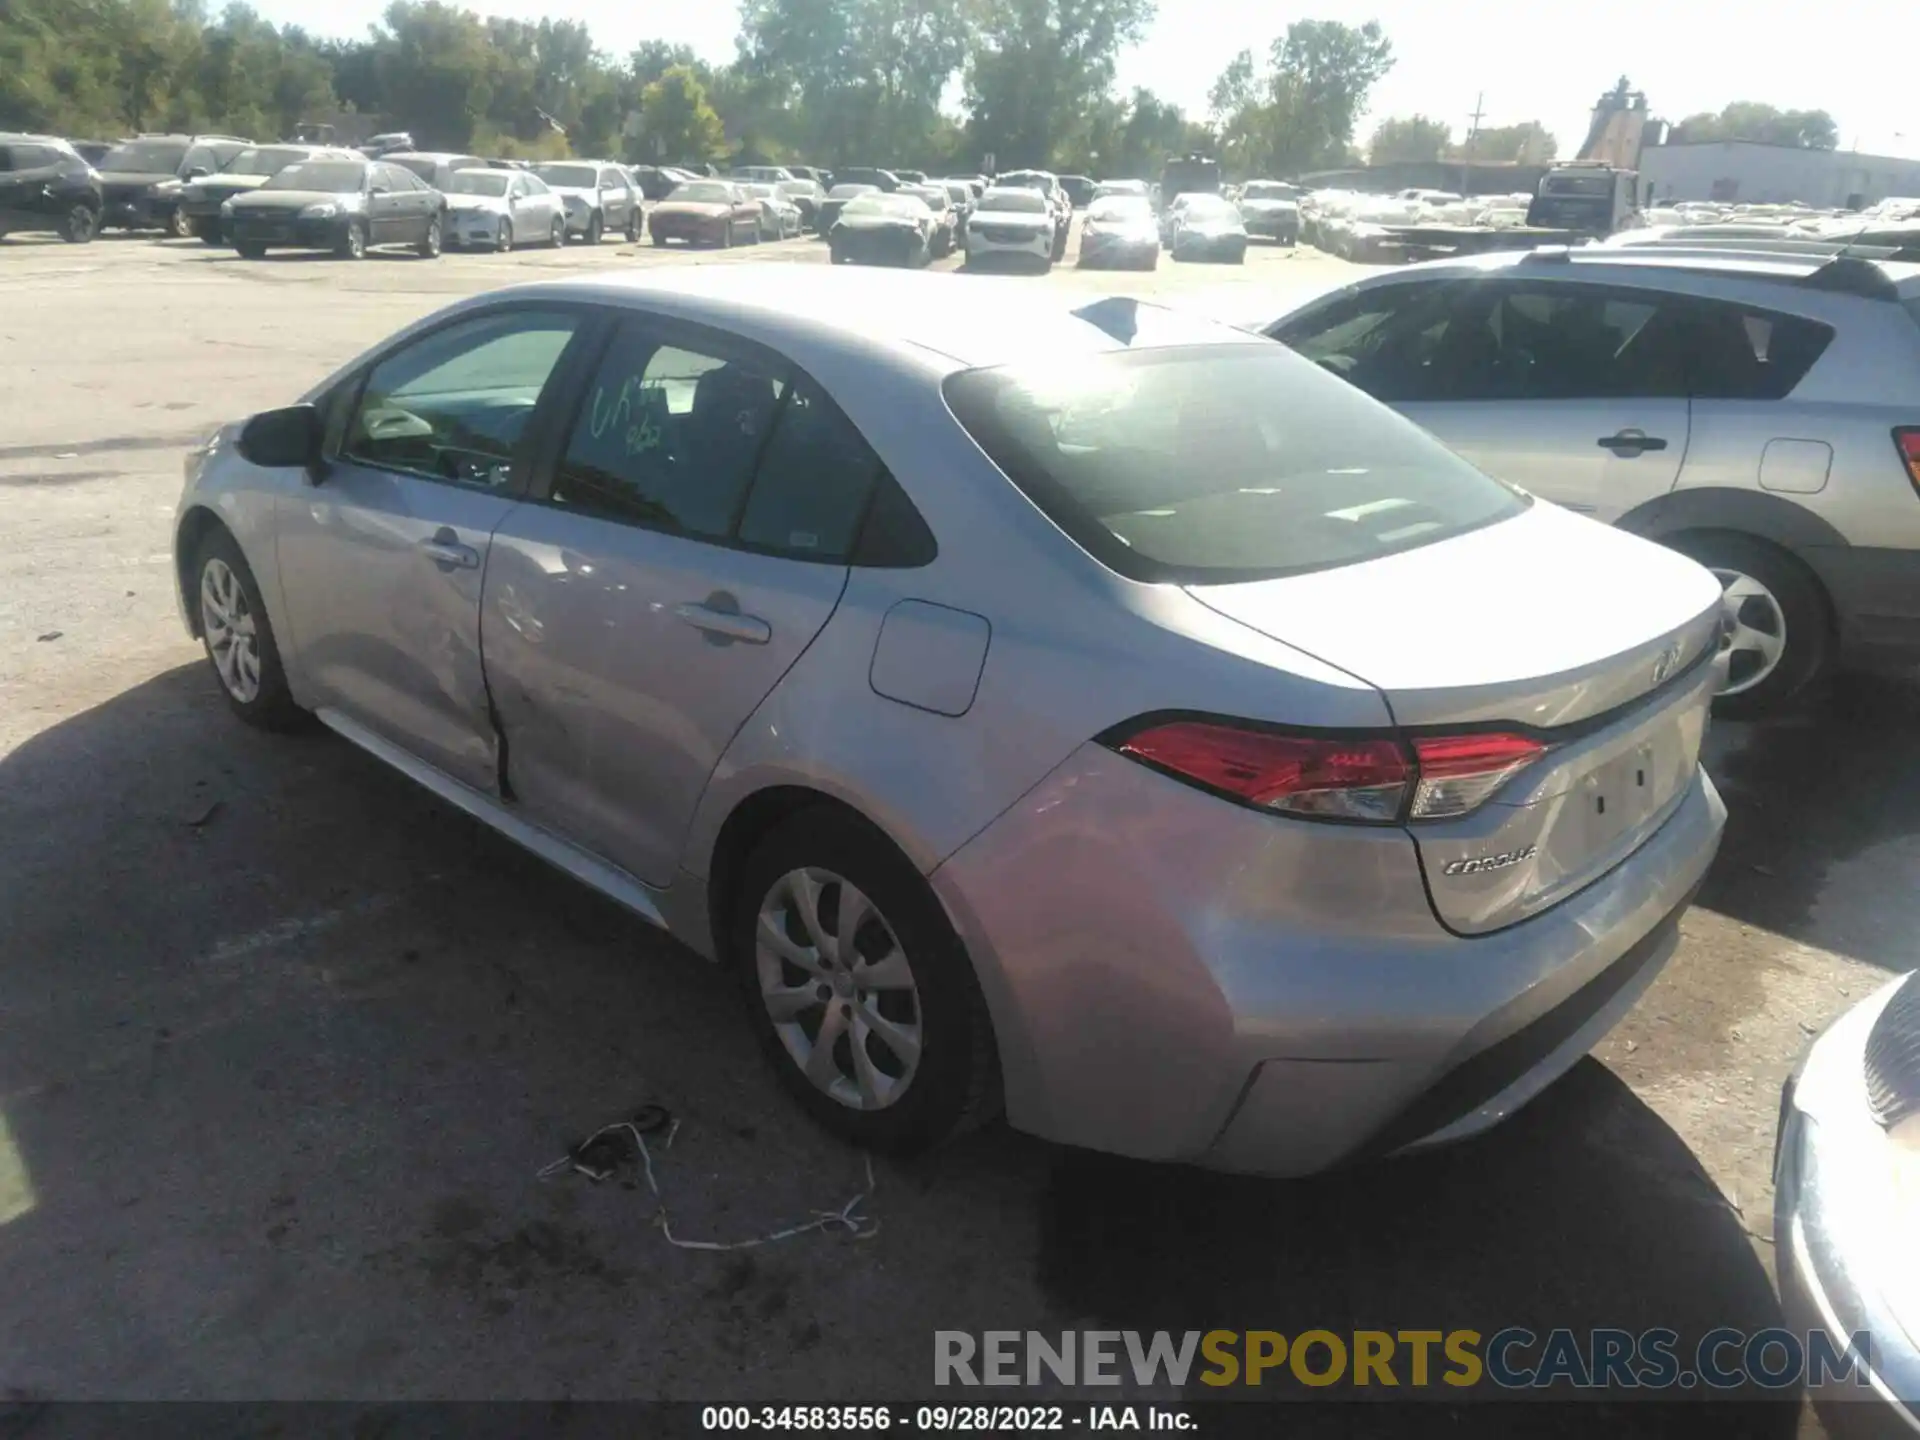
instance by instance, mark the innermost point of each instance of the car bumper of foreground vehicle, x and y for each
(1837, 1225)
(292, 233)
(1192, 980)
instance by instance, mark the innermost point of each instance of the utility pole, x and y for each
(1466, 168)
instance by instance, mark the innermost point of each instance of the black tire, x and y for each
(207, 230)
(272, 708)
(503, 238)
(596, 227)
(557, 237)
(353, 242)
(957, 1084)
(430, 243)
(726, 242)
(80, 225)
(178, 225)
(250, 251)
(633, 226)
(1803, 607)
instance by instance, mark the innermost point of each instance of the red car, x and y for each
(706, 212)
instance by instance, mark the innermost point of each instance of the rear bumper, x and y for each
(1194, 981)
(1876, 600)
(1222, 247)
(984, 247)
(1277, 227)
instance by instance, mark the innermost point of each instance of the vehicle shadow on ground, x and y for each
(287, 1038)
(1584, 1211)
(1823, 835)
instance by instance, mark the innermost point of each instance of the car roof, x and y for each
(971, 321)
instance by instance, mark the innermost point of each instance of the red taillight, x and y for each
(1907, 440)
(1362, 779)
(1366, 778)
(1458, 772)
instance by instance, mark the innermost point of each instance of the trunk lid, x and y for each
(1593, 641)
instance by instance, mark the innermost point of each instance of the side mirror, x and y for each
(289, 439)
(198, 172)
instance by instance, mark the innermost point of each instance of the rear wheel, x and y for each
(859, 990)
(1778, 634)
(79, 225)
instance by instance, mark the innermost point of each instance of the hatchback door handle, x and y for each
(445, 549)
(749, 629)
(1631, 442)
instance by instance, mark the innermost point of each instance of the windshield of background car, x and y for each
(146, 157)
(709, 192)
(265, 160)
(1119, 209)
(1270, 192)
(333, 177)
(1209, 464)
(900, 207)
(479, 182)
(1208, 207)
(419, 165)
(1030, 202)
(577, 177)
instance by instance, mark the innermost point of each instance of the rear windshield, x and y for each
(1269, 191)
(1218, 463)
(1121, 207)
(334, 177)
(145, 157)
(702, 192)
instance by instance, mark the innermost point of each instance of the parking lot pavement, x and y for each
(286, 1040)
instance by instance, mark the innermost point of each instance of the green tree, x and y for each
(1414, 138)
(676, 122)
(1527, 143)
(1037, 67)
(1300, 114)
(1750, 120)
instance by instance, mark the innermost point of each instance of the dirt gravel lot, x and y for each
(283, 1041)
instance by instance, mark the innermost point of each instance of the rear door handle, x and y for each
(749, 629)
(1631, 442)
(445, 549)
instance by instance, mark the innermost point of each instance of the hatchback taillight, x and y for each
(1907, 441)
(1373, 779)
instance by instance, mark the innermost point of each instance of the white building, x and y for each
(1734, 171)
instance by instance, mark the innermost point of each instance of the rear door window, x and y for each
(814, 481)
(1214, 463)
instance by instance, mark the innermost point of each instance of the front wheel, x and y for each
(596, 227)
(633, 227)
(557, 236)
(353, 242)
(238, 636)
(503, 241)
(179, 224)
(861, 994)
(1778, 633)
(429, 248)
(79, 225)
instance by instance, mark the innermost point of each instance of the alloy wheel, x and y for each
(231, 633)
(838, 988)
(1755, 636)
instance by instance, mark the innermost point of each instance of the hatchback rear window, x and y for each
(1219, 463)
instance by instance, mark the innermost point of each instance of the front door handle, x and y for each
(729, 624)
(1629, 443)
(445, 549)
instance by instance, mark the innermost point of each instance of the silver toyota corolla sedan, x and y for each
(1071, 706)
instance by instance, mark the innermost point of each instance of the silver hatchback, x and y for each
(1067, 706)
(1758, 410)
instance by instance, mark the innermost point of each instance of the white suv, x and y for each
(1756, 408)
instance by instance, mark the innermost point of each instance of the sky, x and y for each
(1505, 55)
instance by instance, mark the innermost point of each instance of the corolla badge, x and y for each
(1490, 862)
